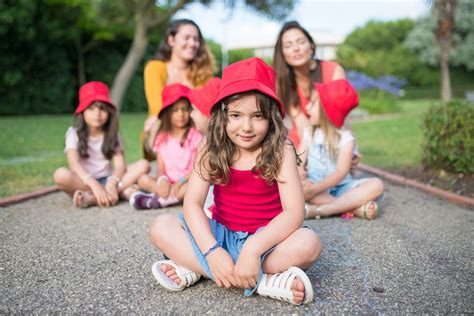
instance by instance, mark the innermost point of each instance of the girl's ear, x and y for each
(170, 40)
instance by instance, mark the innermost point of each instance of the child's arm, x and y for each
(220, 262)
(279, 228)
(73, 160)
(343, 165)
(113, 181)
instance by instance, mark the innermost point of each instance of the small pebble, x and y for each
(378, 289)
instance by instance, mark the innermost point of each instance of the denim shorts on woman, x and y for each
(231, 241)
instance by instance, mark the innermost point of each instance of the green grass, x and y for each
(32, 148)
(393, 143)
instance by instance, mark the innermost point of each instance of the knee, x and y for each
(61, 175)
(378, 186)
(310, 248)
(144, 166)
(161, 229)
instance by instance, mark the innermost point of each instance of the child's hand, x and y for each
(100, 194)
(222, 268)
(354, 162)
(303, 173)
(247, 268)
(112, 192)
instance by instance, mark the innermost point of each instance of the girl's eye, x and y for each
(234, 115)
(258, 116)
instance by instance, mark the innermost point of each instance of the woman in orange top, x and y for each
(297, 70)
(182, 57)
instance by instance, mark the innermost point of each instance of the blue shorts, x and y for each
(340, 189)
(102, 180)
(231, 241)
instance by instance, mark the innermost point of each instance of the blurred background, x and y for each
(411, 61)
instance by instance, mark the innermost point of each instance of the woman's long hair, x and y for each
(110, 130)
(165, 127)
(219, 153)
(202, 66)
(286, 81)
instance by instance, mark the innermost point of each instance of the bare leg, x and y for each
(148, 183)
(168, 234)
(69, 182)
(351, 200)
(130, 178)
(300, 249)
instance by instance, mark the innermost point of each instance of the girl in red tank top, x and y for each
(254, 240)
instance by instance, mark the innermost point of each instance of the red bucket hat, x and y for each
(204, 97)
(338, 98)
(172, 93)
(247, 75)
(91, 92)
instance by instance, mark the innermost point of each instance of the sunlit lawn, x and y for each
(32, 146)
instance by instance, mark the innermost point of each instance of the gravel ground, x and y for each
(417, 257)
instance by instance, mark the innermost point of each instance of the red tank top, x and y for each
(328, 68)
(246, 203)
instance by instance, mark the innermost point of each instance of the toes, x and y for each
(170, 272)
(298, 290)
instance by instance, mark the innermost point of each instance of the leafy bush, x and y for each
(449, 137)
(378, 101)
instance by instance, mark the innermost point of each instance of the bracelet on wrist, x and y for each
(183, 180)
(217, 245)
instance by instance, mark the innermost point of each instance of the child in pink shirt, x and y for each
(176, 147)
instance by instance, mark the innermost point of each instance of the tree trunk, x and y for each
(128, 67)
(444, 36)
(446, 91)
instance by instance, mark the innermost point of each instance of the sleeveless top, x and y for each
(327, 68)
(247, 202)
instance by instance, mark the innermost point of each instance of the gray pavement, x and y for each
(417, 257)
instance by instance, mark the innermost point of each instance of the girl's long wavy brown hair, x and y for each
(165, 128)
(110, 129)
(202, 67)
(286, 81)
(219, 153)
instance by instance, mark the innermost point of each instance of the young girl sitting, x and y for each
(328, 150)
(255, 239)
(175, 147)
(91, 147)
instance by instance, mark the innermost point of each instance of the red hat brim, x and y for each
(246, 85)
(88, 101)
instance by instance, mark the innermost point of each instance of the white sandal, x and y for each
(279, 286)
(187, 277)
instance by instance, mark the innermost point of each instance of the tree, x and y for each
(149, 16)
(445, 9)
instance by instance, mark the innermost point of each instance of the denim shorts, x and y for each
(340, 189)
(102, 180)
(231, 241)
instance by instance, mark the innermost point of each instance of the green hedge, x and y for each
(449, 137)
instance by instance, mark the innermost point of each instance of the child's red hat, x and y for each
(203, 98)
(172, 93)
(338, 98)
(247, 75)
(91, 92)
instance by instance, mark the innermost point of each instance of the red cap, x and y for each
(247, 75)
(203, 98)
(91, 92)
(338, 98)
(172, 93)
